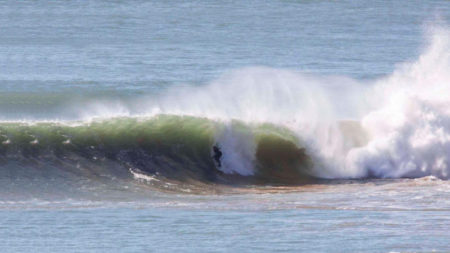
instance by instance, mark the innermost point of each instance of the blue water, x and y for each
(48, 46)
(76, 61)
(125, 230)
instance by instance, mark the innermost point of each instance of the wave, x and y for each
(272, 125)
(164, 147)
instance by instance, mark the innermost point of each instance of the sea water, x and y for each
(332, 118)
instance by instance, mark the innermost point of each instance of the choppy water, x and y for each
(332, 118)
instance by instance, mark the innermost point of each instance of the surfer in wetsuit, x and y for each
(217, 155)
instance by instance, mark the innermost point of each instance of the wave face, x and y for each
(273, 126)
(165, 146)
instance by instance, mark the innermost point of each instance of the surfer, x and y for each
(217, 155)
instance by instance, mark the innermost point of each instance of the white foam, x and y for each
(410, 128)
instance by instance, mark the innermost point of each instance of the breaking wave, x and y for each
(166, 146)
(272, 126)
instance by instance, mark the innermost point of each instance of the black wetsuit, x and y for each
(217, 155)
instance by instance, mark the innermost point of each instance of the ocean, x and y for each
(225, 126)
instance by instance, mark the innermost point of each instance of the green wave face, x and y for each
(168, 147)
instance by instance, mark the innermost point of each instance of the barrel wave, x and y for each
(273, 126)
(164, 148)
